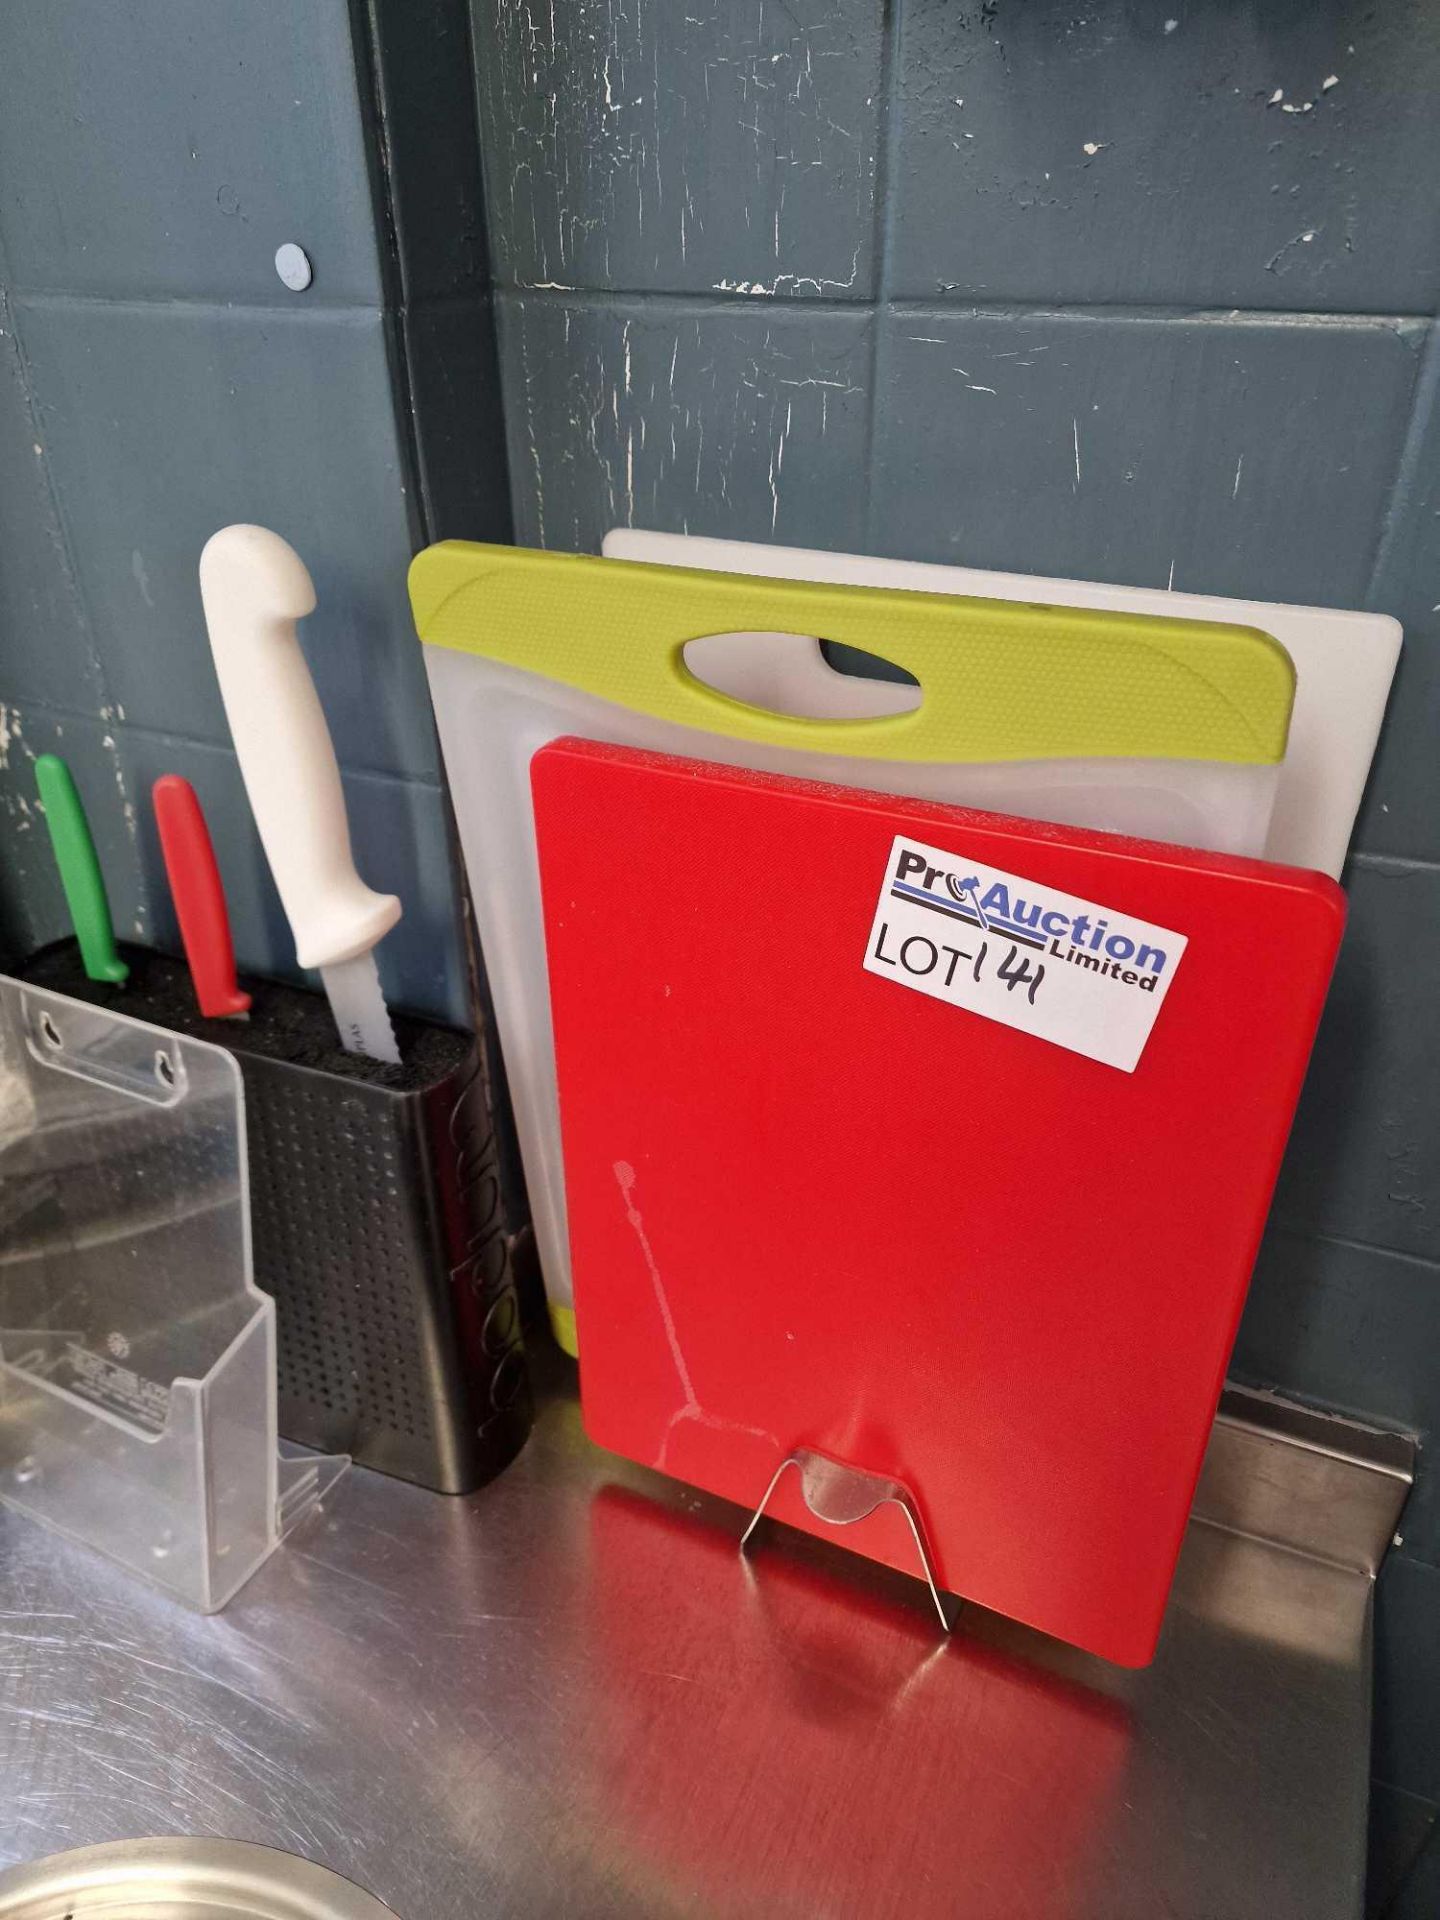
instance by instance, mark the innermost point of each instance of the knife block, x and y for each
(375, 1221)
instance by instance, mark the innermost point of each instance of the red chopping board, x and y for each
(935, 1141)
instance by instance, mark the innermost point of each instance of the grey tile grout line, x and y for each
(372, 109)
(482, 188)
(313, 309)
(486, 292)
(165, 736)
(1160, 313)
(1398, 862)
(373, 113)
(1422, 399)
(304, 313)
(1408, 1793)
(396, 278)
(482, 148)
(881, 226)
(966, 308)
(1328, 1406)
(1318, 1235)
(506, 325)
(494, 283)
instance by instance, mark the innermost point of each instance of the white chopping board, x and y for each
(1344, 665)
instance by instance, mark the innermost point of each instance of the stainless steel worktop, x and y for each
(569, 1695)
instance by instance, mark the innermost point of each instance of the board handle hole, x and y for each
(801, 677)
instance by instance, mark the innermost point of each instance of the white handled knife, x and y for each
(254, 588)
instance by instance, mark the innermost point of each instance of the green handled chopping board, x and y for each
(1095, 718)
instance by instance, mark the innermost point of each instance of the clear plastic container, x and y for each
(137, 1357)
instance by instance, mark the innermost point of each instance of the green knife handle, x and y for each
(79, 866)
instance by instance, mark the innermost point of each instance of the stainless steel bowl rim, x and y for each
(176, 1878)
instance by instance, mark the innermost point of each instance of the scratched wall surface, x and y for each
(681, 146)
(1126, 292)
(157, 380)
(662, 406)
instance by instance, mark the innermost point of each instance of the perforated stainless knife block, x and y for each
(377, 1227)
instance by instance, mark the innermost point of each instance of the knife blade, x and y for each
(353, 989)
(254, 588)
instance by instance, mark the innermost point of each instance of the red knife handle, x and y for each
(199, 897)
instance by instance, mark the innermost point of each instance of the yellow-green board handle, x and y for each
(999, 680)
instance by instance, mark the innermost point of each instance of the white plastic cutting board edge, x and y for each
(1344, 663)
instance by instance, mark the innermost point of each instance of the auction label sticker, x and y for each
(1069, 971)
